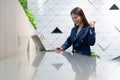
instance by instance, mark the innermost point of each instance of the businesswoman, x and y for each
(82, 35)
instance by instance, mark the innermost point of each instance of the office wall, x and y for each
(15, 30)
(55, 14)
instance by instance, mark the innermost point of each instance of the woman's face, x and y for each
(76, 19)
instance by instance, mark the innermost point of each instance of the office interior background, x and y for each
(52, 15)
(53, 23)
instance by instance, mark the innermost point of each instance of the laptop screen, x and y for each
(38, 42)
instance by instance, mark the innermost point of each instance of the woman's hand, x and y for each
(92, 24)
(58, 48)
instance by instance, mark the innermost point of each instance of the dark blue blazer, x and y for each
(82, 41)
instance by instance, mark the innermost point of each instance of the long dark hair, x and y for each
(79, 11)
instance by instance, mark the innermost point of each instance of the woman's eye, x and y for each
(75, 17)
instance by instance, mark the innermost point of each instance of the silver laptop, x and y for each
(39, 44)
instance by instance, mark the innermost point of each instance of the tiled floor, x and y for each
(62, 66)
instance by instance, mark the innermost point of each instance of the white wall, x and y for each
(56, 13)
(15, 29)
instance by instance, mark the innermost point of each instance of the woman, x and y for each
(82, 34)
